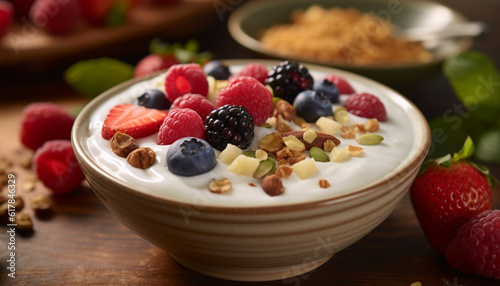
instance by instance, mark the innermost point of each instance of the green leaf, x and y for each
(92, 77)
(476, 82)
(466, 151)
(488, 147)
(118, 14)
(448, 134)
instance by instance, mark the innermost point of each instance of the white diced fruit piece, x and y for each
(230, 153)
(261, 155)
(244, 165)
(339, 154)
(328, 126)
(305, 168)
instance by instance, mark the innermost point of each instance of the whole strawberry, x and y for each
(475, 248)
(448, 192)
(56, 17)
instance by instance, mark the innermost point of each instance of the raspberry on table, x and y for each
(180, 122)
(38, 121)
(57, 167)
(185, 78)
(196, 102)
(255, 70)
(288, 79)
(366, 105)
(475, 249)
(229, 124)
(250, 93)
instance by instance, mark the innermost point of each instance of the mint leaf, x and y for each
(118, 14)
(476, 82)
(92, 77)
(488, 147)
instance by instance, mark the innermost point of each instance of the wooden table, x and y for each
(84, 244)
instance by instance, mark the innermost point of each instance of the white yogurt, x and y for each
(376, 162)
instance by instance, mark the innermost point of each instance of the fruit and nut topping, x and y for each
(265, 125)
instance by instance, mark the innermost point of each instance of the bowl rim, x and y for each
(82, 121)
(244, 39)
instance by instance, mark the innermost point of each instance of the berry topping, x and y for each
(153, 63)
(196, 102)
(229, 124)
(288, 79)
(217, 70)
(56, 166)
(250, 93)
(38, 121)
(190, 157)
(341, 83)
(329, 89)
(56, 17)
(136, 121)
(153, 98)
(474, 250)
(311, 105)
(179, 123)
(447, 193)
(185, 78)
(366, 105)
(6, 17)
(255, 70)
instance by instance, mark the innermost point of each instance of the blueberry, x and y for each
(153, 98)
(190, 156)
(311, 105)
(329, 89)
(217, 70)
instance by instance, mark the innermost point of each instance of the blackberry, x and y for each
(229, 124)
(288, 79)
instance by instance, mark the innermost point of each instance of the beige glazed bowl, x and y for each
(261, 242)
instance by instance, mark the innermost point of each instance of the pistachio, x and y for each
(369, 139)
(265, 167)
(318, 154)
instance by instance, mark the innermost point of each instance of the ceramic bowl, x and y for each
(247, 23)
(259, 242)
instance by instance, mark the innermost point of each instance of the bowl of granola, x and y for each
(317, 173)
(362, 36)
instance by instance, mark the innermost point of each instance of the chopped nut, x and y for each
(123, 144)
(282, 125)
(220, 186)
(271, 143)
(142, 158)
(285, 109)
(324, 183)
(43, 206)
(272, 185)
(372, 125)
(252, 185)
(349, 132)
(24, 222)
(25, 161)
(284, 153)
(318, 142)
(328, 145)
(295, 159)
(301, 122)
(282, 162)
(309, 136)
(4, 207)
(283, 171)
(355, 150)
(293, 143)
(28, 186)
(361, 128)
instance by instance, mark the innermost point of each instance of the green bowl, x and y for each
(247, 23)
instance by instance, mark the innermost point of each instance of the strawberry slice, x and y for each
(136, 121)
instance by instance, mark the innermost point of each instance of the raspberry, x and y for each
(56, 166)
(185, 78)
(38, 121)
(288, 79)
(255, 70)
(55, 16)
(6, 17)
(229, 124)
(475, 248)
(196, 102)
(341, 83)
(366, 105)
(250, 93)
(179, 123)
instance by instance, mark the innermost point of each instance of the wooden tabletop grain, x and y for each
(84, 244)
